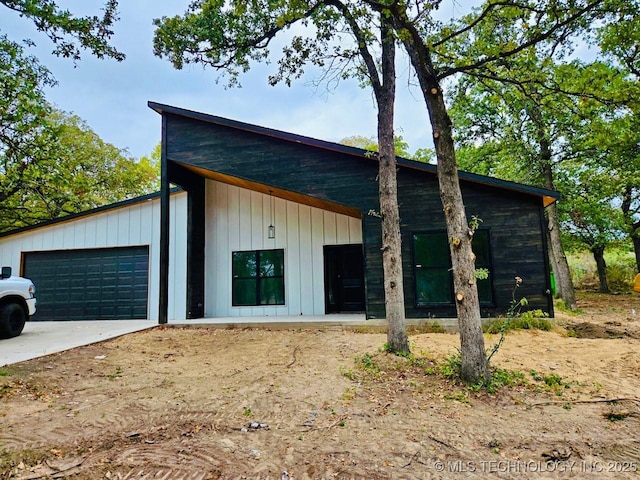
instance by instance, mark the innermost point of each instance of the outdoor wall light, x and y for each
(271, 230)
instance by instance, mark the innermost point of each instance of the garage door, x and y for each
(90, 284)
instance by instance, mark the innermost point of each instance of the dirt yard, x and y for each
(200, 403)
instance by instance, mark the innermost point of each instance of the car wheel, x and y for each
(12, 319)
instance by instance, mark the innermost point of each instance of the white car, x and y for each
(17, 303)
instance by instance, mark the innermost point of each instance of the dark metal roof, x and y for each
(548, 196)
(87, 213)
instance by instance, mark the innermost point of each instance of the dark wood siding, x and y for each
(515, 224)
(513, 219)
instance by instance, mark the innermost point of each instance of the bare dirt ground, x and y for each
(200, 403)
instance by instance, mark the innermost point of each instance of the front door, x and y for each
(344, 278)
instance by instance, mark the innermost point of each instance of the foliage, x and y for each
(531, 320)
(51, 163)
(451, 366)
(402, 148)
(551, 382)
(69, 33)
(75, 171)
(26, 136)
(621, 269)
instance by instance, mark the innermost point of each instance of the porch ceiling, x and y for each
(276, 192)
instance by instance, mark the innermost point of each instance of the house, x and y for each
(268, 223)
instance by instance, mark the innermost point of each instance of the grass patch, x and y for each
(28, 457)
(425, 327)
(368, 364)
(532, 320)
(551, 382)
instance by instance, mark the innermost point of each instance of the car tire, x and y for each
(12, 320)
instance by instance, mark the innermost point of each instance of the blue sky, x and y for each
(112, 97)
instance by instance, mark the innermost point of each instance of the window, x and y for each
(432, 267)
(258, 278)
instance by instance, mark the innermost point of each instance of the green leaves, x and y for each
(51, 163)
(70, 33)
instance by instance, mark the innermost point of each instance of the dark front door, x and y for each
(344, 278)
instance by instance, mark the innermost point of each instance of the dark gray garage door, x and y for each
(91, 284)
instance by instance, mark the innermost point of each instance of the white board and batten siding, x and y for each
(131, 225)
(237, 220)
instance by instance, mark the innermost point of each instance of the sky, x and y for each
(112, 96)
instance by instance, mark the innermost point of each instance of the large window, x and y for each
(432, 267)
(258, 278)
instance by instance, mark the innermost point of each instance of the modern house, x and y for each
(268, 223)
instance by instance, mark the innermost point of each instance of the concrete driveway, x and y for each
(44, 338)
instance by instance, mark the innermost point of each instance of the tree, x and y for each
(618, 40)
(402, 148)
(25, 135)
(231, 37)
(48, 159)
(460, 48)
(526, 124)
(367, 143)
(592, 219)
(70, 33)
(79, 172)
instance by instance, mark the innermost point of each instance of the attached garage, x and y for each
(102, 264)
(101, 283)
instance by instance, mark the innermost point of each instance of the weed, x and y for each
(614, 416)
(4, 373)
(349, 394)
(116, 374)
(247, 412)
(349, 373)
(552, 380)
(461, 396)
(451, 366)
(367, 363)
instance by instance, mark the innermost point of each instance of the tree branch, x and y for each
(533, 41)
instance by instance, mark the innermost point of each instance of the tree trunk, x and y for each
(635, 238)
(397, 341)
(474, 366)
(633, 226)
(598, 255)
(564, 284)
(562, 272)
